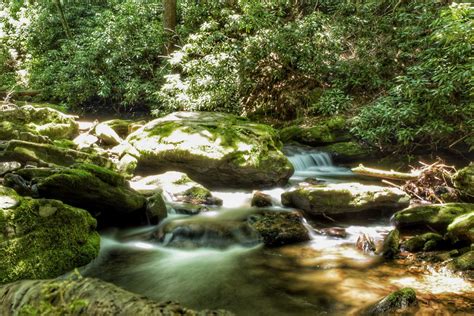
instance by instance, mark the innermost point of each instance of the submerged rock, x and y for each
(103, 192)
(279, 228)
(215, 149)
(274, 228)
(428, 217)
(84, 296)
(25, 122)
(344, 198)
(260, 199)
(464, 182)
(42, 238)
(401, 301)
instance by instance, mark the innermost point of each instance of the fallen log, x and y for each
(384, 174)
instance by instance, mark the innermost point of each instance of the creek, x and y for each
(326, 275)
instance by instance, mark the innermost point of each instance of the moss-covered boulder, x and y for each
(48, 154)
(42, 238)
(391, 244)
(401, 302)
(424, 242)
(121, 127)
(215, 149)
(107, 134)
(319, 133)
(344, 198)
(260, 199)
(18, 121)
(462, 227)
(177, 186)
(156, 209)
(346, 152)
(464, 262)
(102, 192)
(428, 217)
(279, 228)
(464, 182)
(84, 296)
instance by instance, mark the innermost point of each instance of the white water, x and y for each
(314, 164)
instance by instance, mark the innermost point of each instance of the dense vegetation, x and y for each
(401, 69)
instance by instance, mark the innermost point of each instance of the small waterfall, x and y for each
(309, 163)
(305, 161)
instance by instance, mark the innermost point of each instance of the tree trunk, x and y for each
(384, 174)
(63, 18)
(169, 22)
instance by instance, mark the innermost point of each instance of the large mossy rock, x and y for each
(464, 262)
(464, 182)
(343, 198)
(346, 152)
(103, 192)
(215, 149)
(279, 228)
(84, 296)
(401, 302)
(428, 217)
(47, 154)
(42, 238)
(324, 132)
(18, 122)
(424, 242)
(177, 186)
(462, 227)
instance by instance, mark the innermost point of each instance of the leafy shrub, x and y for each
(431, 104)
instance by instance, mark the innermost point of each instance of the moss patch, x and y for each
(44, 239)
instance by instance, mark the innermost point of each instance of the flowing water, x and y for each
(233, 271)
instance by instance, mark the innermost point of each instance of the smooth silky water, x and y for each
(325, 276)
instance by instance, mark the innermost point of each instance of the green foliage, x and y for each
(431, 104)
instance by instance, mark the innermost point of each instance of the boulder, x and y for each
(178, 187)
(9, 166)
(107, 134)
(156, 209)
(462, 227)
(347, 152)
(428, 217)
(25, 122)
(323, 132)
(102, 192)
(278, 228)
(343, 198)
(391, 244)
(464, 262)
(121, 127)
(85, 141)
(401, 302)
(43, 238)
(260, 199)
(424, 242)
(216, 149)
(464, 182)
(84, 296)
(48, 154)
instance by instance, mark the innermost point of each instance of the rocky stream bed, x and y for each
(217, 213)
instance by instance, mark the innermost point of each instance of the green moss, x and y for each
(49, 239)
(464, 182)
(464, 262)
(197, 193)
(348, 150)
(462, 228)
(424, 242)
(121, 127)
(391, 244)
(108, 176)
(279, 228)
(64, 143)
(437, 216)
(322, 132)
